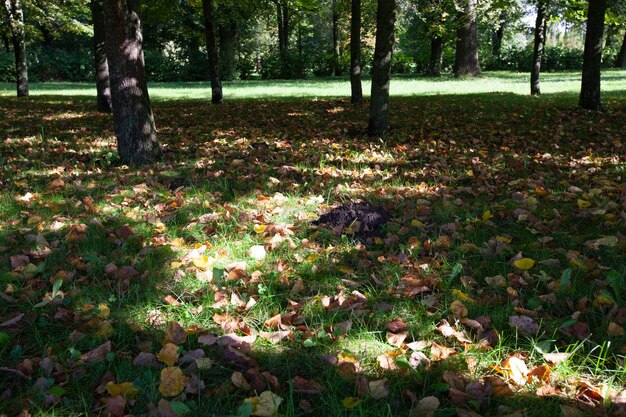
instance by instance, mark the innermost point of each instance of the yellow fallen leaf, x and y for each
(462, 296)
(125, 389)
(487, 215)
(524, 263)
(172, 381)
(583, 204)
(179, 242)
(259, 228)
(350, 402)
(515, 369)
(417, 223)
(168, 354)
(201, 262)
(265, 405)
(104, 311)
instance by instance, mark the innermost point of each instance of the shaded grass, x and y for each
(447, 161)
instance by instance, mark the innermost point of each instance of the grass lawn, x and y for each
(502, 82)
(199, 286)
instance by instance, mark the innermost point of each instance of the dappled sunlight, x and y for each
(491, 283)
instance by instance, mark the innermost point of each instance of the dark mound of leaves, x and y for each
(361, 220)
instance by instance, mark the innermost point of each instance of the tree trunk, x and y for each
(499, 35)
(100, 56)
(436, 51)
(211, 47)
(282, 17)
(5, 41)
(228, 39)
(132, 115)
(381, 69)
(466, 57)
(336, 51)
(15, 18)
(540, 36)
(355, 53)
(621, 57)
(590, 87)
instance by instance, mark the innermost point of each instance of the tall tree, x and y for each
(132, 115)
(620, 62)
(15, 19)
(211, 46)
(592, 58)
(103, 87)
(466, 57)
(228, 39)
(540, 36)
(355, 53)
(381, 69)
(336, 51)
(283, 20)
(498, 34)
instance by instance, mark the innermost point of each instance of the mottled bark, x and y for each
(381, 69)
(15, 19)
(466, 57)
(592, 59)
(436, 51)
(540, 35)
(355, 53)
(132, 115)
(211, 46)
(621, 57)
(228, 42)
(103, 87)
(336, 51)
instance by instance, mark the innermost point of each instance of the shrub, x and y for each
(291, 66)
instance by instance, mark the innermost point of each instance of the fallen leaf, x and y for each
(125, 389)
(425, 407)
(175, 333)
(524, 263)
(168, 354)
(172, 381)
(379, 389)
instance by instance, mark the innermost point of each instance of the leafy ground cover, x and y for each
(497, 81)
(201, 286)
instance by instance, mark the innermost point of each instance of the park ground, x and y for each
(200, 286)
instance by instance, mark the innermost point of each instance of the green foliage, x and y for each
(402, 63)
(293, 65)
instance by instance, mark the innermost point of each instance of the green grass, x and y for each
(503, 82)
(447, 161)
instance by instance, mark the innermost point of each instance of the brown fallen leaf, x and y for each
(440, 353)
(379, 389)
(426, 407)
(306, 386)
(276, 337)
(172, 381)
(175, 333)
(96, 355)
(168, 354)
(114, 406)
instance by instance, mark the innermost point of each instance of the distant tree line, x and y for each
(225, 39)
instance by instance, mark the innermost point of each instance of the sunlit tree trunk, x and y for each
(621, 57)
(355, 53)
(103, 88)
(381, 69)
(132, 115)
(211, 46)
(590, 87)
(466, 57)
(15, 18)
(540, 35)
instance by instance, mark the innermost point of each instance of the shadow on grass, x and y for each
(447, 161)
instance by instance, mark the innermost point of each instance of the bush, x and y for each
(162, 67)
(324, 65)
(292, 66)
(401, 63)
(7, 67)
(60, 65)
(555, 58)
